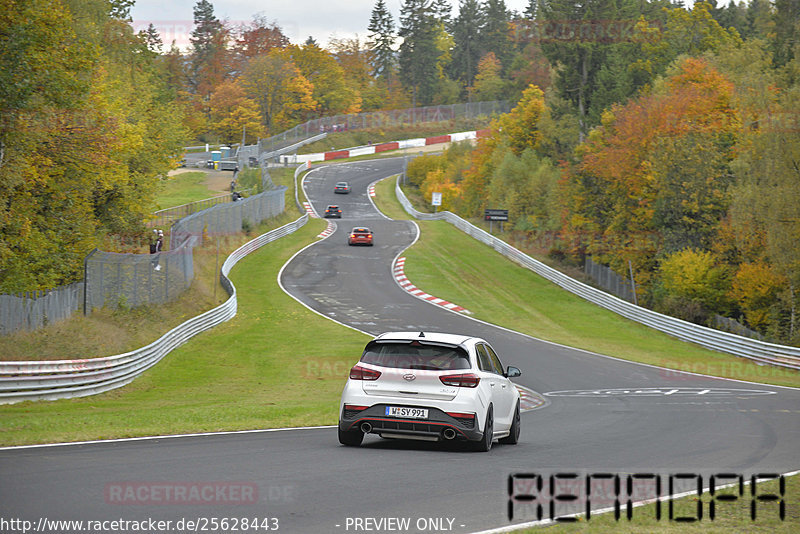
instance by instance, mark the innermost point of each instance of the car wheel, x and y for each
(513, 434)
(351, 438)
(485, 444)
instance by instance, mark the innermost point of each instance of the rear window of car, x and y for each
(415, 355)
(361, 230)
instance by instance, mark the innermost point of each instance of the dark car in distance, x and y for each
(341, 188)
(333, 211)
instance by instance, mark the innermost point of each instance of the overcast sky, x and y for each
(298, 18)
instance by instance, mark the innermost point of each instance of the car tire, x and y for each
(513, 432)
(351, 438)
(485, 444)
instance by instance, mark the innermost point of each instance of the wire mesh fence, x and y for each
(32, 310)
(382, 119)
(118, 280)
(608, 280)
(171, 215)
(229, 218)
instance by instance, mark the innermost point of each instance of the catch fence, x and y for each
(382, 119)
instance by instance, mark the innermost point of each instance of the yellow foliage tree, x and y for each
(755, 288)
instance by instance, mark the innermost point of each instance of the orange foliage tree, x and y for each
(625, 187)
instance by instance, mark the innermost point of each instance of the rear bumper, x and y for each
(434, 427)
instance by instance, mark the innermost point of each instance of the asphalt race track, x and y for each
(604, 417)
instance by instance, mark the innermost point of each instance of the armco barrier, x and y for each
(50, 380)
(753, 349)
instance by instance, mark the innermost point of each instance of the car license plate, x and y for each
(406, 413)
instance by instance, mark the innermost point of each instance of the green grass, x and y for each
(729, 516)
(453, 266)
(183, 188)
(275, 364)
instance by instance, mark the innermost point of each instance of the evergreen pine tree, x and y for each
(466, 36)
(419, 55)
(381, 40)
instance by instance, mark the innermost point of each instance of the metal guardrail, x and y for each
(753, 349)
(50, 380)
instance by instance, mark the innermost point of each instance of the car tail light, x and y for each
(355, 407)
(465, 380)
(362, 373)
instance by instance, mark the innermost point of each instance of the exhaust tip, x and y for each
(366, 428)
(449, 433)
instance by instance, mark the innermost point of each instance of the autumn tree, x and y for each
(331, 90)
(519, 129)
(283, 94)
(756, 288)
(234, 114)
(257, 38)
(489, 83)
(629, 193)
(354, 58)
(696, 283)
(85, 134)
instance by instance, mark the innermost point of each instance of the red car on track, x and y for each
(360, 236)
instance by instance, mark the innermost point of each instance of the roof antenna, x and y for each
(422, 334)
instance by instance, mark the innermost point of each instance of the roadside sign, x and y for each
(495, 215)
(436, 199)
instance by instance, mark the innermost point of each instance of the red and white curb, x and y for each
(371, 190)
(328, 231)
(406, 284)
(383, 147)
(529, 399)
(310, 210)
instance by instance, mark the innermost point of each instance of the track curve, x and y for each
(603, 415)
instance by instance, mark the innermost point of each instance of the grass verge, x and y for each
(453, 266)
(183, 188)
(262, 369)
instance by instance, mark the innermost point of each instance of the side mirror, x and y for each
(511, 372)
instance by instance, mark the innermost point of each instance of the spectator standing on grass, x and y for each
(159, 247)
(153, 240)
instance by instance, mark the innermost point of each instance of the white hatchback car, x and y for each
(432, 387)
